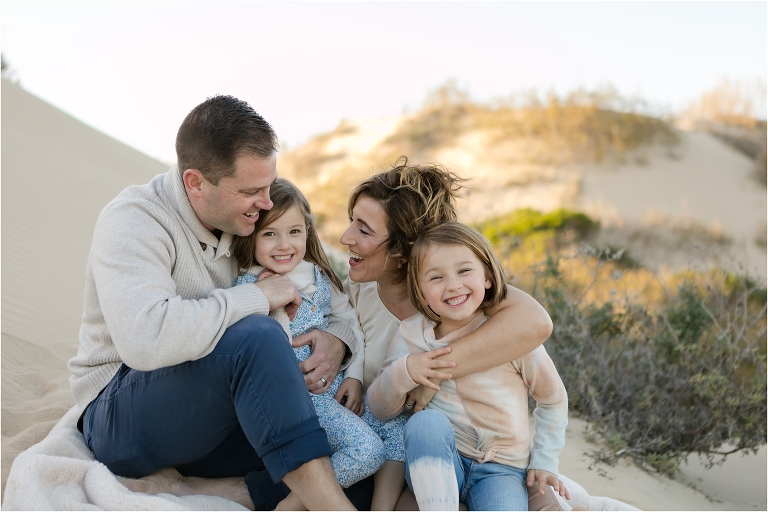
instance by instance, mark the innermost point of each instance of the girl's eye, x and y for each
(268, 233)
(464, 270)
(434, 278)
(295, 231)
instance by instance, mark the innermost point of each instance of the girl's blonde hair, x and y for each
(285, 195)
(455, 233)
(414, 198)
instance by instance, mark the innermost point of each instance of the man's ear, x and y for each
(193, 182)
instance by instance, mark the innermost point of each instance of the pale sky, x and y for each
(134, 69)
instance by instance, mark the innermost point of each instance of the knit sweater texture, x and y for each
(489, 409)
(158, 288)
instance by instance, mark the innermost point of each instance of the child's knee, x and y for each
(428, 427)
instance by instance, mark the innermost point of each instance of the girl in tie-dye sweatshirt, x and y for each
(472, 442)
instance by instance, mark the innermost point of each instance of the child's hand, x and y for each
(353, 390)
(546, 478)
(265, 274)
(422, 366)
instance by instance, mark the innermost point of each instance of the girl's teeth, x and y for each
(281, 258)
(456, 300)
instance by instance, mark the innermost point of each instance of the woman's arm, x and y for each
(515, 328)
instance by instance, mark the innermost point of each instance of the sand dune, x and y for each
(57, 175)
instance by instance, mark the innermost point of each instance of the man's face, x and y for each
(233, 205)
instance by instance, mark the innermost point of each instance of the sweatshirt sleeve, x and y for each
(344, 315)
(551, 412)
(386, 394)
(133, 260)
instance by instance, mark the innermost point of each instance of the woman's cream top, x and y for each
(378, 324)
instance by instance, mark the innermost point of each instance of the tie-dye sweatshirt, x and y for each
(488, 410)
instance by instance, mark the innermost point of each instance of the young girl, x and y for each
(471, 444)
(285, 241)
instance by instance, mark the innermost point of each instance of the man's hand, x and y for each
(422, 366)
(546, 478)
(420, 396)
(327, 353)
(353, 390)
(279, 291)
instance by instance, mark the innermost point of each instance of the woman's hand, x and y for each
(546, 478)
(423, 366)
(420, 396)
(353, 390)
(327, 353)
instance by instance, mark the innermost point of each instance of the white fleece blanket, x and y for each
(61, 473)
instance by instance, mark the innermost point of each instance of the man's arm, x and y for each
(132, 259)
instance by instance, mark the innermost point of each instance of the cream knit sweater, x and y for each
(154, 297)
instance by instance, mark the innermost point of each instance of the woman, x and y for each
(387, 213)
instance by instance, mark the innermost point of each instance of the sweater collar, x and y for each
(174, 188)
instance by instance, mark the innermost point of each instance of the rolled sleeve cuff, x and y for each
(294, 447)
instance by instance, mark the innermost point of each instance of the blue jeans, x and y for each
(242, 410)
(441, 477)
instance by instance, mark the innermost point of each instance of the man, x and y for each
(178, 369)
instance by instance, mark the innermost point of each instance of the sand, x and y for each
(57, 175)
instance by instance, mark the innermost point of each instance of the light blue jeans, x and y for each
(440, 477)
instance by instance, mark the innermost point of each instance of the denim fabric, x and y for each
(441, 477)
(242, 408)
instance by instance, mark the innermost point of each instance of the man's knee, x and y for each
(255, 334)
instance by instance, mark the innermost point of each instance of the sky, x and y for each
(133, 70)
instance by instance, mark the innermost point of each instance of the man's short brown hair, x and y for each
(217, 132)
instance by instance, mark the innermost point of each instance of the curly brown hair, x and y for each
(414, 199)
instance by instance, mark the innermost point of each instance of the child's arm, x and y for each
(551, 415)
(343, 312)
(387, 393)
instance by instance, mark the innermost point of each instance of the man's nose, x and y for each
(263, 203)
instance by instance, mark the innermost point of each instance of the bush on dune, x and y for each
(661, 379)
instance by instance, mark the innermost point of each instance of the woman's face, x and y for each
(366, 239)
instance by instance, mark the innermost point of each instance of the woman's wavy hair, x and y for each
(285, 195)
(414, 199)
(455, 233)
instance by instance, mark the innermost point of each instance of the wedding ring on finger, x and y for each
(409, 406)
(325, 382)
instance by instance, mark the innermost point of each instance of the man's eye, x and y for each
(364, 232)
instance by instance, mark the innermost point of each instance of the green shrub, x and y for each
(687, 375)
(526, 220)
